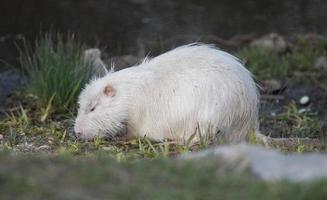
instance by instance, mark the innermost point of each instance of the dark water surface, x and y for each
(121, 25)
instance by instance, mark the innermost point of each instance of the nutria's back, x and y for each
(195, 85)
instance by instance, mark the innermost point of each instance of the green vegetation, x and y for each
(263, 63)
(98, 177)
(56, 70)
(23, 131)
(302, 58)
(299, 61)
(285, 118)
(293, 122)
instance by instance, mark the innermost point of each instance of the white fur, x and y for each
(190, 89)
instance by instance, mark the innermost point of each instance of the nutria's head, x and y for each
(101, 110)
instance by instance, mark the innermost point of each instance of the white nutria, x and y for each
(193, 88)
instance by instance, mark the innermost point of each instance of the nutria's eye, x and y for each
(92, 109)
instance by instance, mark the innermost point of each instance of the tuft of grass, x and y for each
(57, 71)
(294, 122)
(304, 55)
(300, 122)
(266, 64)
(263, 63)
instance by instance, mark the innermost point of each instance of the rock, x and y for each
(321, 63)
(271, 86)
(272, 41)
(108, 148)
(267, 164)
(1, 137)
(50, 140)
(122, 62)
(94, 55)
(4, 38)
(10, 80)
(101, 66)
(26, 147)
(304, 100)
(303, 110)
(43, 147)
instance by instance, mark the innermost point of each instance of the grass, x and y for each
(302, 124)
(23, 131)
(56, 70)
(267, 64)
(263, 63)
(294, 122)
(303, 57)
(99, 177)
(285, 118)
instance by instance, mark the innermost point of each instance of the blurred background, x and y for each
(135, 26)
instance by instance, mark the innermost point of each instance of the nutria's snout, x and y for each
(83, 133)
(77, 134)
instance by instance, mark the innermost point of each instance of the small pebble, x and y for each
(50, 140)
(321, 63)
(305, 100)
(271, 86)
(107, 148)
(43, 147)
(302, 110)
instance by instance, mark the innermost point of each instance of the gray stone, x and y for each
(272, 41)
(4, 38)
(101, 67)
(108, 148)
(304, 100)
(124, 61)
(271, 86)
(268, 164)
(10, 80)
(44, 147)
(94, 55)
(321, 63)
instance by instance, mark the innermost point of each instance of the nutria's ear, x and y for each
(109, 91)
